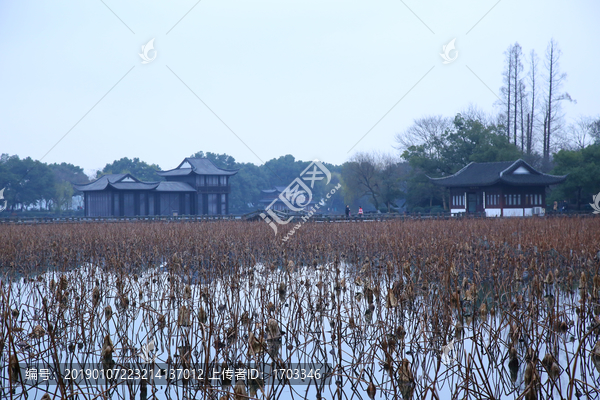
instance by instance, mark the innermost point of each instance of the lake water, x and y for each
(340, 330)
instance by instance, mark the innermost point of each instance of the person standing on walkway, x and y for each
(360, 211)
(347, 211)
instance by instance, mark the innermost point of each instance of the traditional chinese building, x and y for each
(506, 188)
(195, 187)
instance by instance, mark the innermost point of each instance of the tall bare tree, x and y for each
(522, 98)
(512, 78)
(506, 90)
(553, 116)
(517, 67)
(533, 67)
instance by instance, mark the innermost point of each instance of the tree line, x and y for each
(529, 124)
(432, 146)
(49, 187)
(27, 182)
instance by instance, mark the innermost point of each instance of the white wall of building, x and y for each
(541, 211)
(493, 212)
(508, 212)
(513, 212)
(457, 210)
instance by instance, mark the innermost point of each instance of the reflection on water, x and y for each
(386, 336)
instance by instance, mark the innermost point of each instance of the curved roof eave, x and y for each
(175, 172)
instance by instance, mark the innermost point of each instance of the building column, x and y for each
(136, 204)
(543, 205)
(85, 205)
(484, 202)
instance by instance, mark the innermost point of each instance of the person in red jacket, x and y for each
(360, 211)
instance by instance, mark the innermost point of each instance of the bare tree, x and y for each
(578, 135)
(517, 67)
(376, 175)
(512, 77)
(391, 173)
(533, 66)
(595, 129)
(522, 98)
(496, 119)
(507, 90)
(474, 113)
(361, 177)
(425, 131)
(553, 116)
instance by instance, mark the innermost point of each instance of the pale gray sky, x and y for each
(307, 78)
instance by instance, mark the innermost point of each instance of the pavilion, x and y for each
(505, 188)
(195, 187)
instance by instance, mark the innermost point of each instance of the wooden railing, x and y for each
(255, 216)
(146, 218)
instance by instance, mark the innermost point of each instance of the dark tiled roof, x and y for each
(486, 174)
(134, 185)
(100, 183)
(528, 180)
(200, 166)
(118, 182)
(176, 172)
(174, 187)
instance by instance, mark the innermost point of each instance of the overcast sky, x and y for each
(260, 79)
